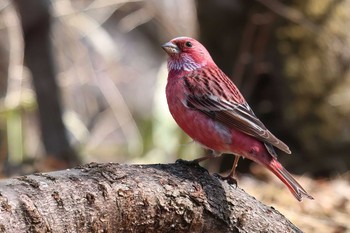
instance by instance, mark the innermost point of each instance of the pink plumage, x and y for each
(207, 105)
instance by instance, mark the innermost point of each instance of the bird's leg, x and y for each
(229, 178)
(234, 166)
(214, 154)
(195, 162)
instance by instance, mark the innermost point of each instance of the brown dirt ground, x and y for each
(329, 212)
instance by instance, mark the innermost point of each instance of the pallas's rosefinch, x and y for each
(211, 110)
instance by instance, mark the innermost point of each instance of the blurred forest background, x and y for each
(84, 80)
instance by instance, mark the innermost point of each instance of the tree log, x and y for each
(132, 198)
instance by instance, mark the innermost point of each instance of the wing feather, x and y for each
(239, 116)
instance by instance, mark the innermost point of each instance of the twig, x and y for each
(290, 14)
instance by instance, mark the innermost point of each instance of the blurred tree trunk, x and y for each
(36, 21)
(314, 44)
(132, 198)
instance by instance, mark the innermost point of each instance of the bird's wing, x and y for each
(233, 115)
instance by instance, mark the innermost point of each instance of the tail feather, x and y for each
(293, 186)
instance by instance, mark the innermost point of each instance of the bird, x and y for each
(210, 109)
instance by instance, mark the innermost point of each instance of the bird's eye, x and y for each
(188, 44)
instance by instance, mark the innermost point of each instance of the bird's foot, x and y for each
(191, 163)
(229, 179)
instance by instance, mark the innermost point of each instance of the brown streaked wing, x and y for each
(238, 116)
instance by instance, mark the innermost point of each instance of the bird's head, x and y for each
(186, 54)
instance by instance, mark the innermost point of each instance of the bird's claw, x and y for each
(191, 163)
(188, 162)
(229, 179)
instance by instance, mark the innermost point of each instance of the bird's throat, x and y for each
(184, 62)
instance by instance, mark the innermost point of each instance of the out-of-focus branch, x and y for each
(36, 25)
(290, 13)
(13, 97)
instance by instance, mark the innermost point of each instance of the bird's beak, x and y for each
(171, 48)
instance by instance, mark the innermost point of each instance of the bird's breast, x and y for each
(197, 125)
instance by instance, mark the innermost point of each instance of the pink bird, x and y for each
(207, 105)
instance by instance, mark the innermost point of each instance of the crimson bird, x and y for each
(207, 105)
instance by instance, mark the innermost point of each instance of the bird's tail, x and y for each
(293, 186)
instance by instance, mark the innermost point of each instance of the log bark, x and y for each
(132, 198)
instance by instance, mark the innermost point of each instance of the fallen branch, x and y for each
(132, 198)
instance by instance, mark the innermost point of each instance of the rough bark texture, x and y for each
(132, 198)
